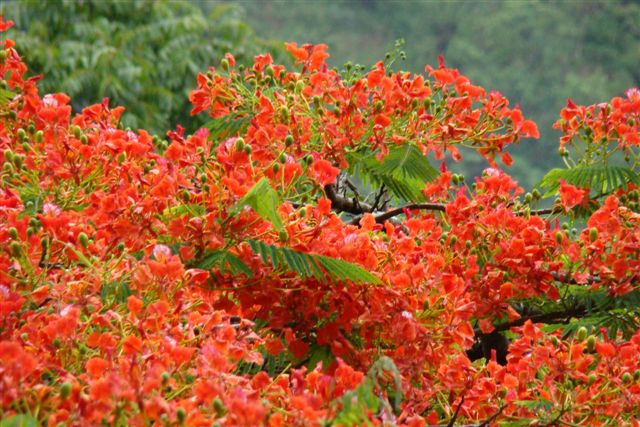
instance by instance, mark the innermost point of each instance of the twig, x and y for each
(455, 414)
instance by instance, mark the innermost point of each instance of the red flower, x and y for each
(571, 196)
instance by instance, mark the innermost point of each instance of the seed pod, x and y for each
(247, 149)
(38, 137)
(283, 158)
(21, 134)
(84, 139)
(593, 234)
(275, 167)
(627, 378)
(8, 155)
(591, 343)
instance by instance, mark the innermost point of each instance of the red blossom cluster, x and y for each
(110, 311)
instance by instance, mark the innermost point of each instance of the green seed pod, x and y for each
(627, 378)
(15, 249)
(239, 144)
(288, 141)
(13, 233)
(593, 234)
(454, 179)
(31, 128)
(453, 240)
(181, 414)
(83, 239)
(13, 115)
(39, 136)
(8, 155)
(581, 334)
(467, 244)
(282, 158)
(21, 134)
(65, 390)
(275, 167)
(308, 159)
(247, 149)
(636, 374)
(83, 139)
(591, 343)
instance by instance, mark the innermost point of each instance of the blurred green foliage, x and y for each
(143, 55)
(537, 52)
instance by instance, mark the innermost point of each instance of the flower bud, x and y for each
(239, 144)
(83, 239)
(559, 237)
(65, 390)
(13, 233)
(593, 234)
(283, 236)
(181, 414)
(591, 343)
(581, 334)
(288, 141)
(15, 249)
(39, 136)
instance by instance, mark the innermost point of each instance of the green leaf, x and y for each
(226, 127)
(191, 209)
(20, 420)
(600, 178)
(404, 171)
(224, 261)
(320, 267)
(264, 200)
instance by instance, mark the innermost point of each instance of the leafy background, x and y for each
(145, 54)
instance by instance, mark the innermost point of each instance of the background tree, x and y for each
(143, 54)
(538, 53)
